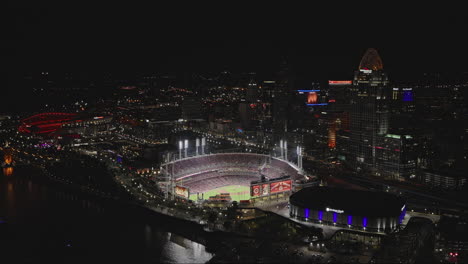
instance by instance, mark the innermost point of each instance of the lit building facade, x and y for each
(443, 179)
(396, 157)
(369, 112)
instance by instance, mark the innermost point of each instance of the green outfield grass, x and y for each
(237, 192)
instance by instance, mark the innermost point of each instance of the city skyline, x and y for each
(236, 133)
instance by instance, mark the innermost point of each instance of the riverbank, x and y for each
(48, 222)
(180, 220)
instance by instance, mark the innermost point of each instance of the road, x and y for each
(419, 200)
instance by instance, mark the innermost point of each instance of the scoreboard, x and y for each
(182, 192)
(274, 186)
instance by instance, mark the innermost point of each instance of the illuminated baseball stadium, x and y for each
(239, 174)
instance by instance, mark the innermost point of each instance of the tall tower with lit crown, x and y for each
(369, 112)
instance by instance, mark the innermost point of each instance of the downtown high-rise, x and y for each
(369, 111)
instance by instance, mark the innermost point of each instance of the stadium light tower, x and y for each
(203, 143)
(181, 146)
(186, 147)
(285, 150)
(197, 145)
(281, 149)
(299, 157)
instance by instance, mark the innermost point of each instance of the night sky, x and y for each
(322, 43)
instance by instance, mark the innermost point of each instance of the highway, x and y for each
(418, 200)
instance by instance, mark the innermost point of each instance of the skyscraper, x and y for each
(369, 113)
(282, 92)
(252, 95)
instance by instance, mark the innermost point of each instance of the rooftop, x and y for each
(348, 201)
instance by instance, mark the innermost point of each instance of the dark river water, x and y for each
(44, 222)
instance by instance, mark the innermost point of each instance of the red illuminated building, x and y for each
(45, 123)
(332, 136)
(340, 82)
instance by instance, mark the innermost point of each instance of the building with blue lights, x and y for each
(363, 210)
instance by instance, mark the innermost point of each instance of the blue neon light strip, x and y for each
(335, 216)
(320, 215)
(316, 104)
(364, 221)
(402, 216)
(306, 213)
(350, 219)
(308, 91)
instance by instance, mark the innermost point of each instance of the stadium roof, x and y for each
(351, 202)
